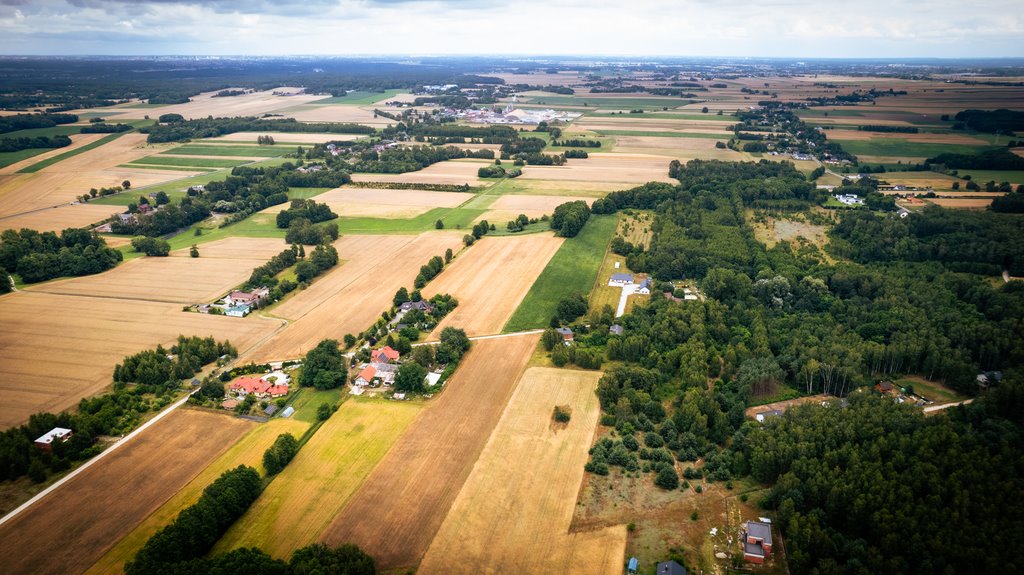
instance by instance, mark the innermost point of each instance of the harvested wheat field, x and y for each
(682, 149)
(301, 502)
(962, 203)
(203, 105)
(286, 137)
(59, 218)
(181, 279)
(341, 113)
(349, 298)
(491, 279)
(82, 338)
(534, 206)
(246, 451)
(921, 137)
(486, 533)
(625, 168)
(369, 202)
(68, 530)
(77, 141)
(448, 172)
(398, 510)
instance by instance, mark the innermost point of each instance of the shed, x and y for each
(271, 409)
(432, 379)
(288, 411)
(195, 382)
(633, 565)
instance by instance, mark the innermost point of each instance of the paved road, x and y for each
(39, 496)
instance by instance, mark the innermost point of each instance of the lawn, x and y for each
(305, 193)
(61, 157)
(264, 151)
(930, 390)
(573, 269)
(183, 161)
(547, 188)
(358, 98)
(175, 189)
(453, 218)
(895, 147)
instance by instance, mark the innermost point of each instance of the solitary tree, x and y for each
(194, 252)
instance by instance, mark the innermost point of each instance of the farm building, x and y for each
(241, 310)
(270, 410)
(386, 354)
(366, 376)
(567, 335)
(45, 441)
(620, 280)
(757, 541)
(670, 568)
(760, 417)
(252, 298)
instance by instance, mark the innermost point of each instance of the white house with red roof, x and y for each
(366, 376)
(386, 354)
(257, 387)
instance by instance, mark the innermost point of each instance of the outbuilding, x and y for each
(57, 434)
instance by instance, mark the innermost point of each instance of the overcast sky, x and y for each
(767, 28)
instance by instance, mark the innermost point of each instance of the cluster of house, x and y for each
(381, 370)
(310, 169)
(849, 199)
(889, 389)
(336, 150)
(238, 303)
(128, 218)
(422, 305)
(59, 434)
(272, 385)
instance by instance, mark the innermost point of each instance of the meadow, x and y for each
(573, 268)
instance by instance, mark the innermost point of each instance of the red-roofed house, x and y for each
(366, 376)
(277, 390)
(386, 354)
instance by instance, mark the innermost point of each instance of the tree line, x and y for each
(40, 256)
(177, 130)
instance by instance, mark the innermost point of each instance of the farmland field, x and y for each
(625, 168)
(303, 499)
(83, 337)
(532, 535)
(358, 98)
(903, 148)
(381, 203)
(226, 150)
(490, 280)
(70, 529)
(349, 298)
(203, 105)
(572, 269)
(188, 161)
(178, 278)
(398, 510)
(248, 450)
(449, 172)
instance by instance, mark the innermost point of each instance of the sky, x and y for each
(760, 28)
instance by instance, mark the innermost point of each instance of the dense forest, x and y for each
(17, 122)
(899, 296)
(39, 256)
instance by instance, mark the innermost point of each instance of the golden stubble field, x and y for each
(178, 278)
(448, 172)
(490, 279)
(57, 349)
(537, 464)
(350, 297)
(203, 105)
(399, 508)
(603, 167)
(72, 527)
(380, 203)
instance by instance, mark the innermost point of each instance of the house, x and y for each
(45, 442)
(386, 354)
(145, 209)
(423, 306)
(620, 280)
(615, 329)
(238, 311)
(567, 335)
(760, 417)
(195, 382)
(366, 376)
(670, 568)
(127, 218)
(757, 541)
(849, 200)
(884, 387)
(645, 287)
(246, 298)
(277, 390)
(244, 386)
(270, 410)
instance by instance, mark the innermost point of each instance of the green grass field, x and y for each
(999, 176)
(189, 162)
(453, 218)
(930, 390)
(170, 168)
(723, 136)
(8, 158)
(897, 148)
(305, 193)
(225, 150)
(61, 157)
(542, 188)
(632, 103)
(666, 116)
(358, 98)
(572, 269)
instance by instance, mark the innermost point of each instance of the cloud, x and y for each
(801, 28)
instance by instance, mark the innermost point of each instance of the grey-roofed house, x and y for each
(566, 333)
(670, 568)
(645, 287)
(620, 279)
(615, 329)
(757, 541)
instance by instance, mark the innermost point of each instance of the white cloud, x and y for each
(801, 28)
